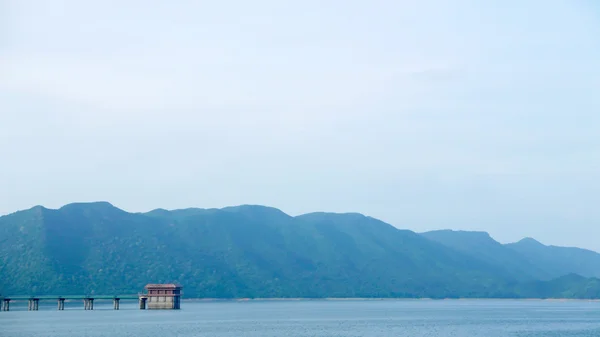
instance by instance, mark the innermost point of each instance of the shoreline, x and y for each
(372, 299)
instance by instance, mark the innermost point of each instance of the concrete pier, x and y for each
(88, 304)
(143, 303)
(33, 304)
(88, 301)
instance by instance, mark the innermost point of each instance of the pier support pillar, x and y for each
(143, 303)
(88, 304)
(61, 304)
(33, 304)
(116, 303)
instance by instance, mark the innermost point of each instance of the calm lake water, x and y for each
(470, 318)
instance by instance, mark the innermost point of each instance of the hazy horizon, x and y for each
(428, 115)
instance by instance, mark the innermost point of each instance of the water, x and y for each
(469, 318)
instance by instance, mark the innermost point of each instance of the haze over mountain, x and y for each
(258, 251)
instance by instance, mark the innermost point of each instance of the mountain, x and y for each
(526, 260)
(567, 286)
(558, 261)
(245, 251)
(481, 246)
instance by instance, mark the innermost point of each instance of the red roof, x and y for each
(163, 286)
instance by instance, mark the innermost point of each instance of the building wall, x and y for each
(156, 301)
(162, 302)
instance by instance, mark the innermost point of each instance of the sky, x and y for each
(460, 114)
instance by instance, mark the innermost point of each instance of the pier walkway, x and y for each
(88, 300)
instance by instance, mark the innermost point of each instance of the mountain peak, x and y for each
(529, 241)
(256, 210)
(96, 206)
(90, 204)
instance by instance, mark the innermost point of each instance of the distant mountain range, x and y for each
(261, 252)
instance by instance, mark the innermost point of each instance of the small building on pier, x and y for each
(163, 296)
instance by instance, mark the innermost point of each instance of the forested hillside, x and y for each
(256, 251)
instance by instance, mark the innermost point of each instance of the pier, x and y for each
(33, 302)
(158, 296)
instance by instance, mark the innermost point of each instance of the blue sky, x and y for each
(474, 115)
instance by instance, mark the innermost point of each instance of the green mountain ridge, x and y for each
(253, 251)
(559, 261)
(483, 247)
